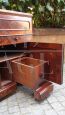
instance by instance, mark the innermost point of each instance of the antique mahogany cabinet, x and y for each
(17, 41)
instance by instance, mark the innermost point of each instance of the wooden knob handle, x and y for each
(15, 39)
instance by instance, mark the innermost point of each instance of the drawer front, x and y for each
(15, 25)
(15, 40)
(5, 41)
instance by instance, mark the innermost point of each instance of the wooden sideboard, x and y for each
(17, 40)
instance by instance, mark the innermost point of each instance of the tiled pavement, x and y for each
(22, 103)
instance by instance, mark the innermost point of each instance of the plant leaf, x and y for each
(49, 7)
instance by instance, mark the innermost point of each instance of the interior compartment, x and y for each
(7, 85)
(7, 54)
(5, 74)
(31, 62)
(28, 71)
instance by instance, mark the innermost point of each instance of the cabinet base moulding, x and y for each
(8, 89)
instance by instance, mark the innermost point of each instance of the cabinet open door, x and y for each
(53, 54)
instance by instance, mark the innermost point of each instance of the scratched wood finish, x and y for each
(53, 53)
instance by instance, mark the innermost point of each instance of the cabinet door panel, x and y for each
(53, 54)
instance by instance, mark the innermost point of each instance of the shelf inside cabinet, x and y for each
(10, 57)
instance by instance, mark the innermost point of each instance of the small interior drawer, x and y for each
(27, 71)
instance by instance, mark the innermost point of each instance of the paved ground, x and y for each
(22, 103)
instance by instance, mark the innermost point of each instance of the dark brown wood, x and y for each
(16, 28)
(7, 86)
(15, 40)
(11, 57)
(53, 53)
(8, 89)
(27, 71)
(43, 91)
(13, 25)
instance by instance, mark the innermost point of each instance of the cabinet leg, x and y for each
(43, 91)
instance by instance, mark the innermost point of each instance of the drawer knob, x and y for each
(15, 39)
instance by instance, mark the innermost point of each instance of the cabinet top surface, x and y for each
(57, 39)
(14, 13)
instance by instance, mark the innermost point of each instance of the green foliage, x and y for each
(46, 13)
(1, 3)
